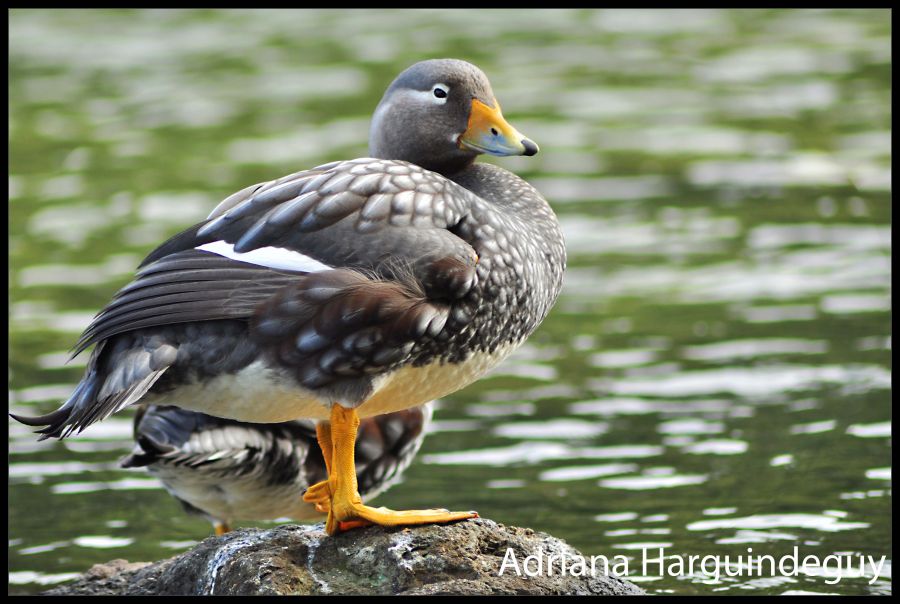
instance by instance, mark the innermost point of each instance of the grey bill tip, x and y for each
(531, 147)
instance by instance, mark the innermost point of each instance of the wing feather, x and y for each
(178, 437)
(186, 286)
(391, 210)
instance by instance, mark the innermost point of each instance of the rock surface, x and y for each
(464, 558)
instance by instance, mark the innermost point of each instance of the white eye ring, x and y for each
(439, 93)
(429, 96)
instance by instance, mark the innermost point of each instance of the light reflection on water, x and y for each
(717, 371)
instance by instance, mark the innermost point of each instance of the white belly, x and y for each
(236, 498)
(413, 386)
(260, 394)
(256, 394)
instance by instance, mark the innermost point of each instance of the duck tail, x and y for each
(146, 451)
(102, 393)
(158, 433)
(62, 422)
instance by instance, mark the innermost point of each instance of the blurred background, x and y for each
(716, 374)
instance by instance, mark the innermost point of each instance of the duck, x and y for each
(353, 289)
(225, 470)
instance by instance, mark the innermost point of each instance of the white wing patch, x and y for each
(271, 257)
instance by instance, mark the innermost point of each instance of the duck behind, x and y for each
(225, 470)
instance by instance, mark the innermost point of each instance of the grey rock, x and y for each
(463, 558)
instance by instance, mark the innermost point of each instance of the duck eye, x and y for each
(440, 92)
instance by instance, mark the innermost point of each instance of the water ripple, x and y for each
(820, 522)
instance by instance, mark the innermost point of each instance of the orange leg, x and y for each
(319, 494)
(221, 528)
(347, 509)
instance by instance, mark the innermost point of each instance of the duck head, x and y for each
(441, 114)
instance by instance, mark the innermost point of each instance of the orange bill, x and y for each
(488, 132)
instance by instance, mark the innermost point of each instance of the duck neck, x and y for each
(451, 166)
(492, 183)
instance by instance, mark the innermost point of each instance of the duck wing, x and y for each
(365, 213)
(186, 286)
(386, 446)
(374, 234)
(180, 438)
(341, 273)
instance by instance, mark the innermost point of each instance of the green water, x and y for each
(716, 375)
